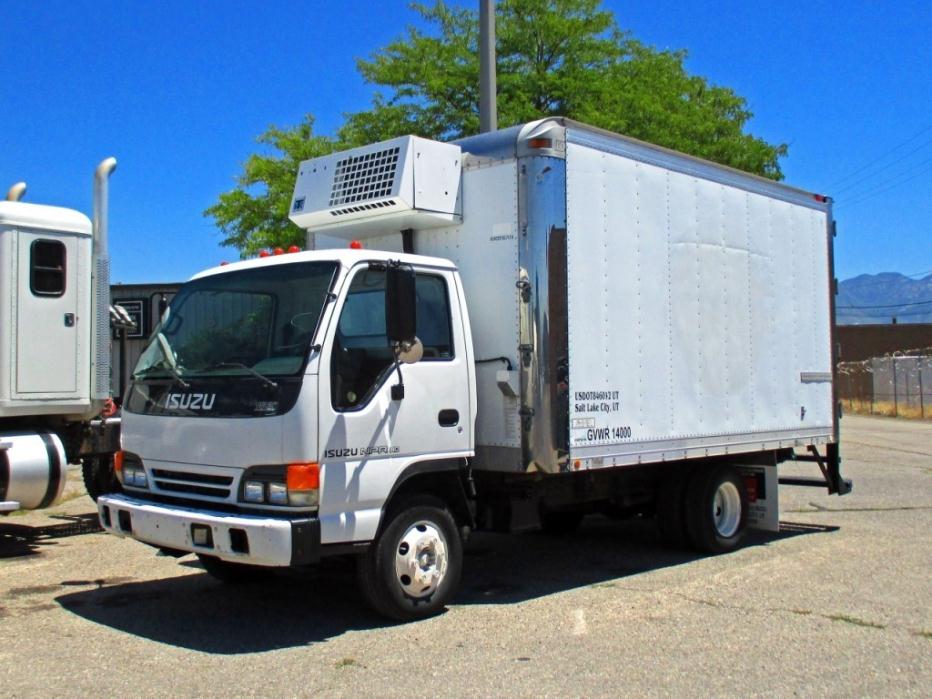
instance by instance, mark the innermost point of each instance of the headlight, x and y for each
(278, 494)
(134, 476)
(254, 491)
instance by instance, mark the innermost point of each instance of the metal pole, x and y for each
(922, 405)
(488, 118)
(896, 409)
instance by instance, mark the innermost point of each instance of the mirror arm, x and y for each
(398, 390)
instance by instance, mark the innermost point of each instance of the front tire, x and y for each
(413, 567)
(99, 477)
(716, 509)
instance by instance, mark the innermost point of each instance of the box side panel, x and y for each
(698, 314)
(485, 249)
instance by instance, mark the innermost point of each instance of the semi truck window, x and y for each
(361, 356)
(47, 268)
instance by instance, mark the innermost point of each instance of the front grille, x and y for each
(362, 177)
(204, 484)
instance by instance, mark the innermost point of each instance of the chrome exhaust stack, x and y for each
(16, 192)
(100, 373)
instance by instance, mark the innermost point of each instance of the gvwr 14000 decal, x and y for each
(190, 401)
(350, 452)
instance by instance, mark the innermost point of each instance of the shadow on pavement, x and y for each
(24, 540)
(295, 609)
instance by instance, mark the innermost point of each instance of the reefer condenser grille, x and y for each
(364, 177)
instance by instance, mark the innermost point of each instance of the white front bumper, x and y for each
(271, 541)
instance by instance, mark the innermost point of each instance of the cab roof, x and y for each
(19, 214)
(347, 258)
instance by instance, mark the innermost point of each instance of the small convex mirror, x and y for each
(400, 305)
(410, 352)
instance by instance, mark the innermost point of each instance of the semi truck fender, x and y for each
(442, 478)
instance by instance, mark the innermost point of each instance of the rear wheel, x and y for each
(716, 509)
(232, 573)
(99, 477)
(412, 569)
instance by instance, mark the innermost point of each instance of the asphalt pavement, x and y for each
(838, 603)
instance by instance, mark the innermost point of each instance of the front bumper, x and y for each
(256, 540)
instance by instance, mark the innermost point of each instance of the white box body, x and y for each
(675, 308)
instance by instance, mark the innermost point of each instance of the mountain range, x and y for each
(878, 298)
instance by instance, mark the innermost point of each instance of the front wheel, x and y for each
(716, 509)
(99, 477)
(413, 567)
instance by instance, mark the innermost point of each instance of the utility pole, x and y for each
(488, 118)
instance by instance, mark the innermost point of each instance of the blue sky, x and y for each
(178, 91)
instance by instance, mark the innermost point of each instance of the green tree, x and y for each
(254, 215)
(555, 57)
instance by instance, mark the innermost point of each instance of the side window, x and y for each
(361, 354)
(360, 349)
(47, 268)
(433, 317)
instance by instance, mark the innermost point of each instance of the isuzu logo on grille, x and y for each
(190, 401)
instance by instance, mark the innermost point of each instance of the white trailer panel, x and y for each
(698, 312)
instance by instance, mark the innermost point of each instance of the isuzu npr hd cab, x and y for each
(505, 332)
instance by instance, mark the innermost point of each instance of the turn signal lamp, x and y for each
(540, 143)
(303, 482)
(118, 465)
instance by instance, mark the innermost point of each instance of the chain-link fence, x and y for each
(899, 386)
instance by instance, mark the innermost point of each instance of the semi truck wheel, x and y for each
(99, 478)
(671, 510)
(716, 509)
(232, 573)
(413, 567)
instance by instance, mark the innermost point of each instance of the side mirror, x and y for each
(400, 305)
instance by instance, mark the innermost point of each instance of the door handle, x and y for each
(448, 418)
(69, 320)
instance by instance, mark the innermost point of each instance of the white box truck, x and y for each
(507, 332)
(54, 348)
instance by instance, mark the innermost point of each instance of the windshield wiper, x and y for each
(170, 363)
(240, 365)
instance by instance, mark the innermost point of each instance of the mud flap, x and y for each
(763, 497)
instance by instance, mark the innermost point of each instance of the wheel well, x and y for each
(444, 483)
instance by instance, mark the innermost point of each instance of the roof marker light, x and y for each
(355, 245)
(278, 251)
(224, 263)
(294, 248)
(264, 253)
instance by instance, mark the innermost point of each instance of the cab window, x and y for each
(362, 358)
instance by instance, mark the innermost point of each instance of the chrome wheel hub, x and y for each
(726, 509)
(421, 560)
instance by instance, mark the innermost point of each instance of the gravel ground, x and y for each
(838, 603)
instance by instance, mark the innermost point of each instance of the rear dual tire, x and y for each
(706, 509)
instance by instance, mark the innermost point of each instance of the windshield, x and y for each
(254, 323)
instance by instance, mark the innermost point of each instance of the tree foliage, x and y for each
(555, 57)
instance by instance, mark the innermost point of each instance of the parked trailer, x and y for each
(527, 326)
(54, 348)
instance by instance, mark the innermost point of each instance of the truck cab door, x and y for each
(47, 318)
(366, 438)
